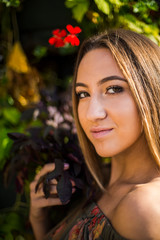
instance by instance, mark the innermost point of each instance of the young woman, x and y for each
(116, 106)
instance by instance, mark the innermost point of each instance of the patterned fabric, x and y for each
(91, 225)
(88, 227)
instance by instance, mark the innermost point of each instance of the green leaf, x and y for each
(8, 222)
(144, 6)
(118, 3)
(80, 10)
(70, 3)
(36, 123)
(5, 145)
(40, 51)
(19, 237)
(154, 39)
(12, 115)
(103, 6)
(152, 4)
(106, 160)
(12, 222)
(11, 3)
(131, 22)
(9, 236)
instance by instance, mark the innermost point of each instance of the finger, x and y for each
(33, 185)
(53, 181)
(40, 192)
(53, 189)
(73, 190)
(48, 168)
(33, 192)
(66, 166)
(73, 183)
(43, 202)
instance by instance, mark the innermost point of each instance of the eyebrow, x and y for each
(106, 79)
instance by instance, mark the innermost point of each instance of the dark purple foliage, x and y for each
(55, 141)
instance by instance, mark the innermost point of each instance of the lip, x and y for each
(99, 132)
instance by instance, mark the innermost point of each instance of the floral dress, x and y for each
(91, 225)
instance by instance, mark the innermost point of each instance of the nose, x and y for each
(96, 109)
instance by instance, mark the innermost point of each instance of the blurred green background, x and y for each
(35, 77)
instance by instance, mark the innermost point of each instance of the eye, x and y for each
(114, 89)
(81, 95)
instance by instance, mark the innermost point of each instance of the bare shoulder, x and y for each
(137, 216)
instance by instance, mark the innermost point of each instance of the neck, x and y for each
(134, 165)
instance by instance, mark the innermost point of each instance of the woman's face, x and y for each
(107, 111)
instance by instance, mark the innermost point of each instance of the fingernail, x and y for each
(73, 190)
(66, 165)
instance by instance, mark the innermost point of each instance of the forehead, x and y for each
(98, 63)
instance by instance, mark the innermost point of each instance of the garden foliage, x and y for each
(45, 132)
(99, 15)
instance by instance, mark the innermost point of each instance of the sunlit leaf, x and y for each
(11, 114)
(19, 237)
(5, 145)
(103, 6)
(11, 3)
(156, 40)
(80, 10)
(152, 4)
(70, 3)
(118, 3)
(131, 22)
(144, 6)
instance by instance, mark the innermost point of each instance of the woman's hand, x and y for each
(38, 202)
(39, 205)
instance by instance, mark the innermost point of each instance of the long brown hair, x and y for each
(139, 60)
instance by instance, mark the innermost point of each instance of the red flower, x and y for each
(60, 37)
(72, 39)
(59, 33)
(55, 32)
(73, 30)
(58, 42)
(52, 40)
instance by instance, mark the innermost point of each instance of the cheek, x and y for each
(81, 116)
(129, 124)
(131, 117)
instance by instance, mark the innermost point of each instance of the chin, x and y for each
(109, 151)
(103, 153)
